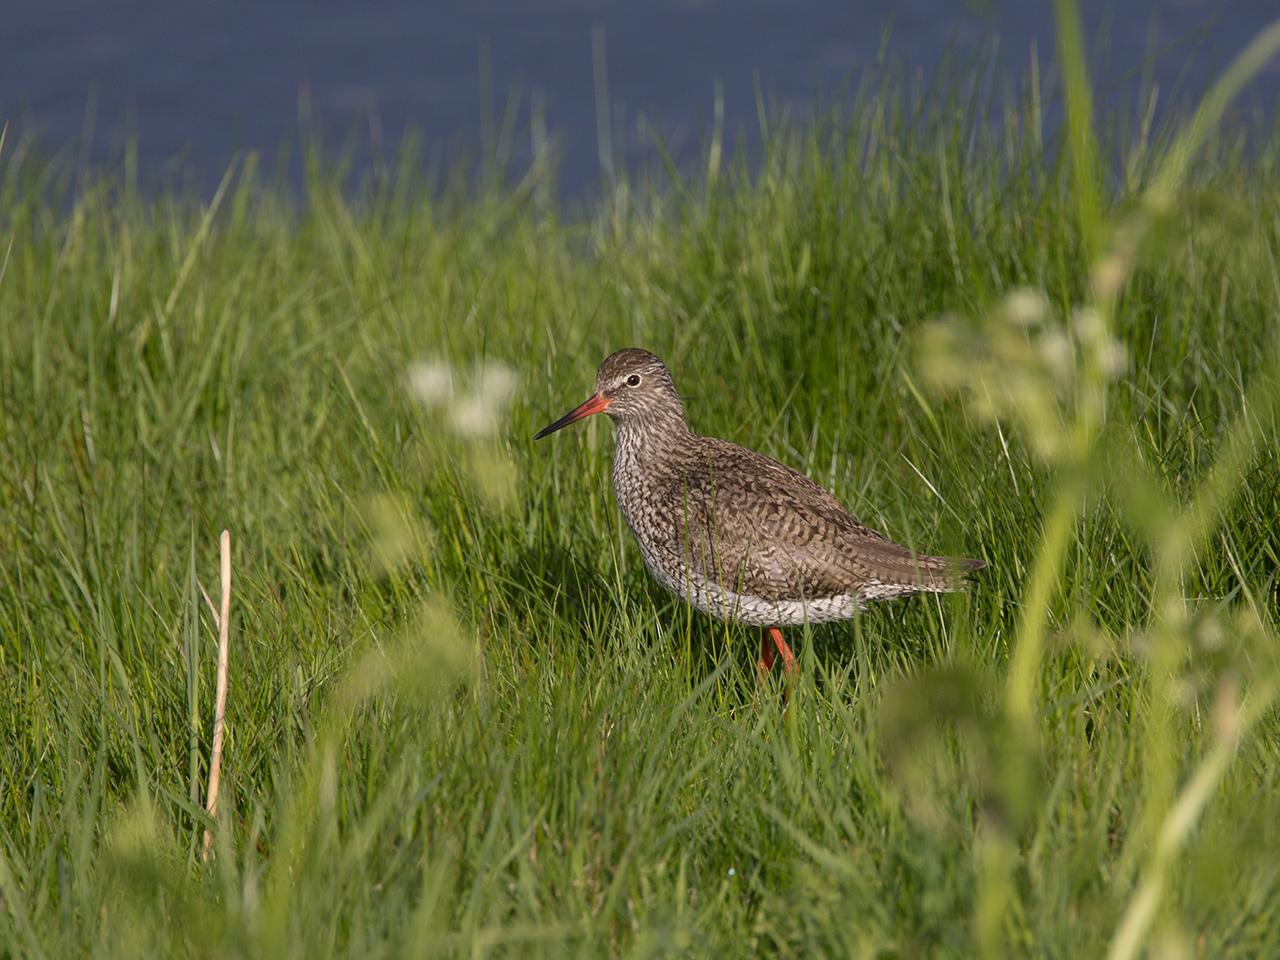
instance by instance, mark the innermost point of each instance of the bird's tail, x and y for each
(949, 574)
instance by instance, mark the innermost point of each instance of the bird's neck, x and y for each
(645, 454)
(652, 434)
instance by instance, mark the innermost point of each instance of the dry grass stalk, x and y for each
(222, 619)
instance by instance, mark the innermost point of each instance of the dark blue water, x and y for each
(192, 83)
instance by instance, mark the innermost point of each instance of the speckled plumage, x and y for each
(741, 536)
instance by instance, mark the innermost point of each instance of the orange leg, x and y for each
(771, 641)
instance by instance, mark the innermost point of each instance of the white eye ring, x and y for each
(633, 380)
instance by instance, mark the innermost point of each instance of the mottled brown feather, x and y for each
(770, 531)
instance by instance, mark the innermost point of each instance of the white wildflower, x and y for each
(1055, 351)
(474, 415)
(431, 381)
(498, 382)
(1114, 359)
(1025, 307)
(1109, 275)
(1087, 324)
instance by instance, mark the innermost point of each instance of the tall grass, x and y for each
(461, 719)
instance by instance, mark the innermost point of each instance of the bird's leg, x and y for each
(789, 664)
(771, 644)
(766, 652)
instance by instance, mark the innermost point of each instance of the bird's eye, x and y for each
(633, 380)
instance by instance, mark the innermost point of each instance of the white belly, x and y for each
(722, 603)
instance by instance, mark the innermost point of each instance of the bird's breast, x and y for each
(641, 492)
(632, 490)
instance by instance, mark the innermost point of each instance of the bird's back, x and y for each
(763, 530)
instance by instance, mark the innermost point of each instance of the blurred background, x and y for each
(192, 83)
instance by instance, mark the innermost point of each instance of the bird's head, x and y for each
(635, 389)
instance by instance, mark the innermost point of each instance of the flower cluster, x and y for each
(1026, 366)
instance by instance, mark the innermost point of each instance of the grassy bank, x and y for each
(463, 721)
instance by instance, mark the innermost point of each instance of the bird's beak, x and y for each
(595, 404)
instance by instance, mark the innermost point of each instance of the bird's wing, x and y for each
(756, 526)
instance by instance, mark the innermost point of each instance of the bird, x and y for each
(741, 536)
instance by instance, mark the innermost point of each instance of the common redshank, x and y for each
(742, 537)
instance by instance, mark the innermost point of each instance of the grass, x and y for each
(463, 721)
